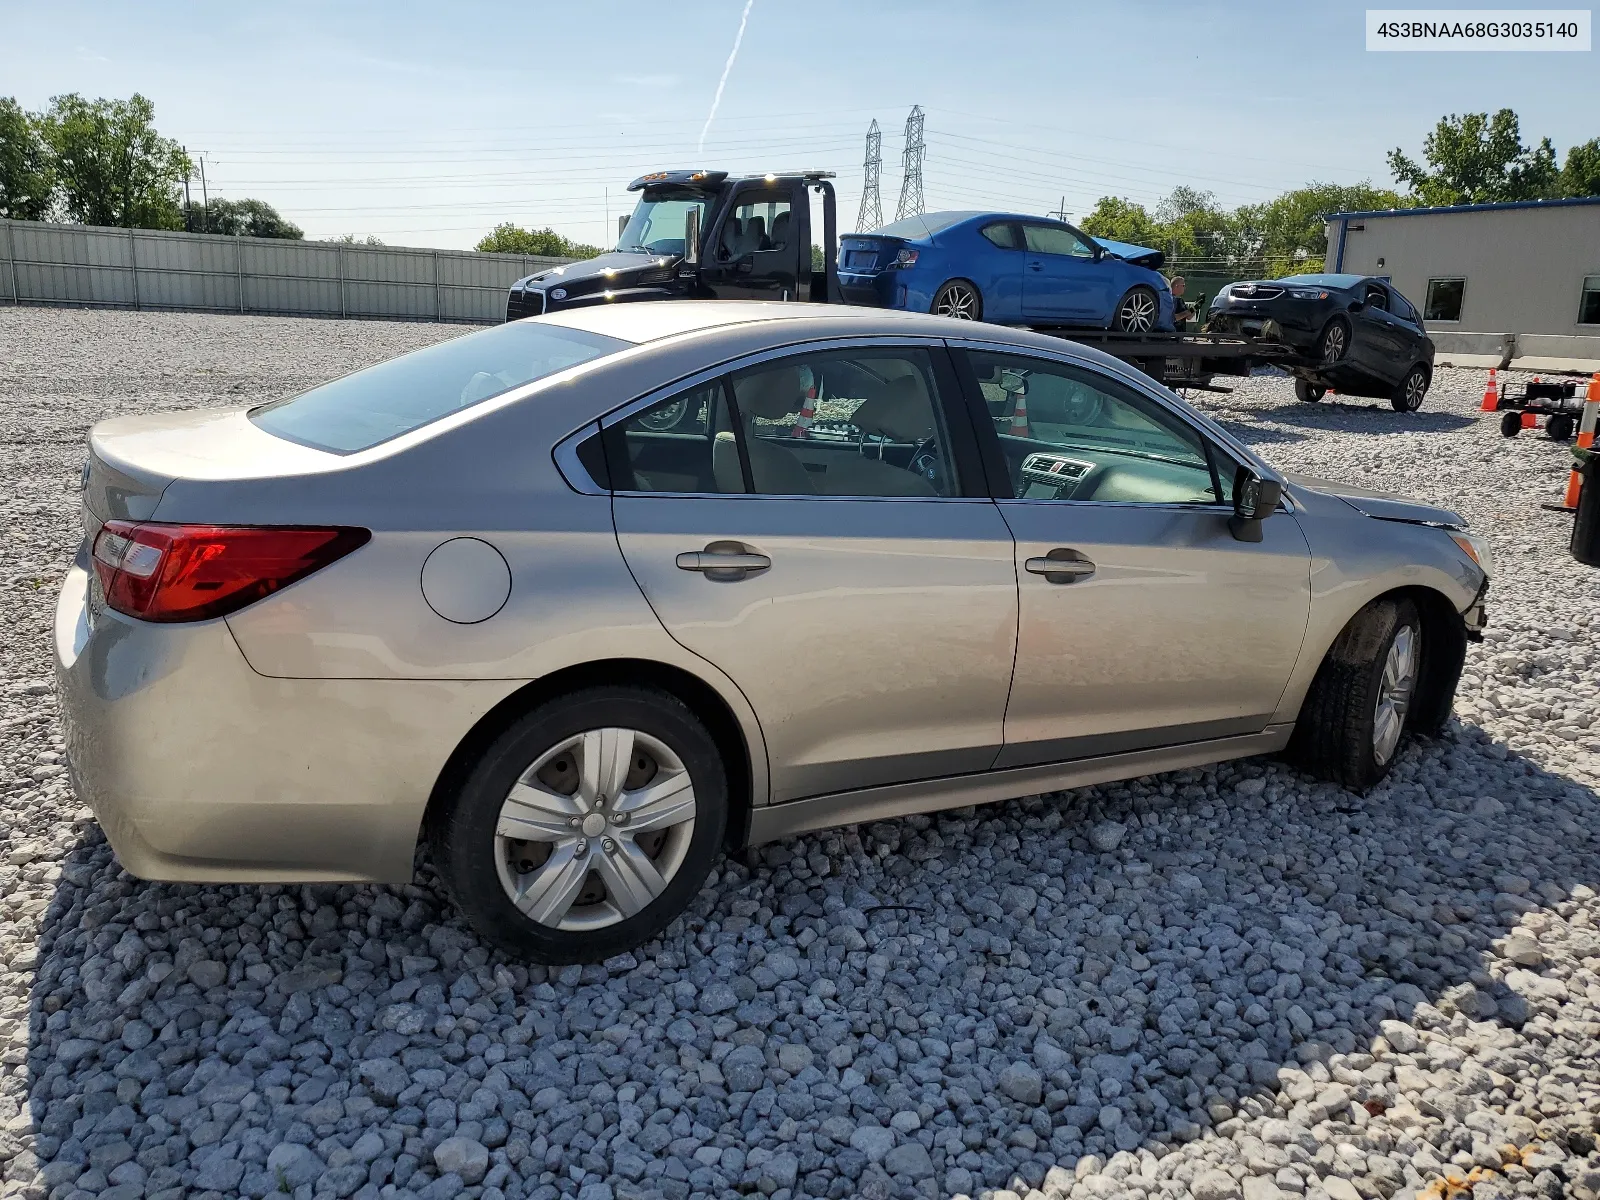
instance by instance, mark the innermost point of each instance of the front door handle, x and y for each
(723, 561)
(1061, 565)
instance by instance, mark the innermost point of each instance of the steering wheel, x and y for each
(927, 462)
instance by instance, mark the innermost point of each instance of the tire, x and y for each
(1559, 427)
(609, 908)
(1309, 392)
(1355, 716)
(1334, 344)
(959, 299)
(1510, 424)
(1408, 396)
(1137, 312)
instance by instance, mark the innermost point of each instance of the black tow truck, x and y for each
(709, 235)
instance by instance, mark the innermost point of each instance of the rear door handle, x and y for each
(1061, 566)
(723, 561)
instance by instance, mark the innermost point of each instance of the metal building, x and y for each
(1497, 284)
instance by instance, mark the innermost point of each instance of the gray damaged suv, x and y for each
(585, 600)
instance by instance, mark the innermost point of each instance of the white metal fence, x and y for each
(147, 268)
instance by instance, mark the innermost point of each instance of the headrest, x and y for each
(900, 412)
(780, 229)
(770, 394)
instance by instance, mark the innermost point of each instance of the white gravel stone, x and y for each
(1272, 984)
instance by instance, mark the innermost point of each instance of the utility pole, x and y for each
(205, 197)
(1061, 213)
(871, 214)
(188, 225)
(911, 202)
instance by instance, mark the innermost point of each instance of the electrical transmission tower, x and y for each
(871, 214)
(911, 168)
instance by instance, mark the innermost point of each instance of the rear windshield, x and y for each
(925, 225)
(395, 397)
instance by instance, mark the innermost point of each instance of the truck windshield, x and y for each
(656, 226)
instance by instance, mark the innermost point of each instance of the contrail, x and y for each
(721, 83)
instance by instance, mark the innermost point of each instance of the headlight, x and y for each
(1475, 547)
(1305, 294)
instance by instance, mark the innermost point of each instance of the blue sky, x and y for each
(425, 124)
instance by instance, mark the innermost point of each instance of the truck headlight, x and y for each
(1475, 547)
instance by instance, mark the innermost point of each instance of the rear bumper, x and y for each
(201, 770)
(886, 289)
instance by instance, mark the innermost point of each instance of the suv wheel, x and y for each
(1334, 343)
(1408, 396)
(586, 827)
(1309, 392)
(1356, 713)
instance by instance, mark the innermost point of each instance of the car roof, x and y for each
(651, 322)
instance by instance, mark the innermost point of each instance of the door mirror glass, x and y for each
(1254, 500)
(691, 236)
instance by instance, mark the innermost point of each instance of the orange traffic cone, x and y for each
(1019, 417)
(1530, 420)
(1586, 429)
(808, 411)
(1491, 394)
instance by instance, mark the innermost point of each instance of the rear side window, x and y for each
(1003, 235)
(382, 402)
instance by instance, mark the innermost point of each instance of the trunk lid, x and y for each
(133, 460)
(867, 254)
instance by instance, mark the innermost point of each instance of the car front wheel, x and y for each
(1309, 392)
(1408, 396)
(1334, 343)
(1357, 710)
(958, 299)
(587, 826)
(1138, 311)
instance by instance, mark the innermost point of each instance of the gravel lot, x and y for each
(1229, 983)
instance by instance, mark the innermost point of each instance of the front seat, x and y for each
(770, 395)
(902, 413)
(779, 237)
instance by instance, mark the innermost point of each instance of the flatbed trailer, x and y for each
(1184, 360)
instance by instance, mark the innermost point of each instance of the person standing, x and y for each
(1182, 310)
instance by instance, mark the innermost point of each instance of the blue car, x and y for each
(1006, 268)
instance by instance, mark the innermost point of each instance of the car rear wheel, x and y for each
(1357, 710)
(1408, 396)
(1309, 392)
(1138, 311)
(1334, 343)
(587, 827)
(958, 299)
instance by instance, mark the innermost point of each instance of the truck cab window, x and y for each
(756, 224)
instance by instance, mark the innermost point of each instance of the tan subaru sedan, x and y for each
(584, 601)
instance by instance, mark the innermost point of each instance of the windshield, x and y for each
(382, 402)
(657, 224)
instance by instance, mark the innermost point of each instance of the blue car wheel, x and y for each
(1138, 311)
(959, 299)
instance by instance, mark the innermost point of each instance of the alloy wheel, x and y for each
(956, 300)
(1333, 344)
(1416, 389)
(1138, 313)
(594, 830)
(1395, 687)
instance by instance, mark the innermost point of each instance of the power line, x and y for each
(871, 214)
(911, 203)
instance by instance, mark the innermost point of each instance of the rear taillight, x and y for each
(905, 258)
(194, 572)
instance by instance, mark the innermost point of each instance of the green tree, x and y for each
(112, 167)
(27, 175)
(509, 238)
(1121, 220)
(1291, 230)
(244, 218)
(351, 239)
(1580, 176)
(1478, 159)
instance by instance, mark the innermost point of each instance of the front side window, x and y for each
(1377, 297)
(382, 402)
(862, 423)
(1070, 433)
(1589, 305)
(1056, 239)
(755, 224)
(1444, 299)
(657, 225)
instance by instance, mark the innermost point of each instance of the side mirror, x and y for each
(691, 236)
(622, 224)
(1254, 500)
(1099, 253)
